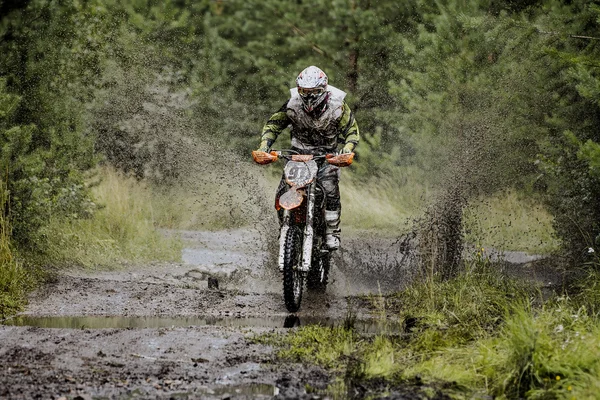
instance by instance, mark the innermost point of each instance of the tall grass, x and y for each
(552, 352)
(507, 221)
(216, 191)
(391, 204)
(183, 206)
(441, 314)
(14, 282)
(457, 311)
(123, 228)
(14, 279)
(384, 204)
(475, 336)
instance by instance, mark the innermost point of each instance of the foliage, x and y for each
(140, 125)
(488, 98)
(122, 229)
(570, 150)
(43, 146)
(57, 64)
(460, 99)
(465, 100)
(478, 95)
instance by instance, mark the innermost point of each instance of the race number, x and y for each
(300, 173)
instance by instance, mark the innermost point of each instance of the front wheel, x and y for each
(293, 279)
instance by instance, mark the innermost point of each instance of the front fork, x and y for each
(307, 244)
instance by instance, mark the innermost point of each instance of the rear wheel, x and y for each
(293, 278)
(318, 275)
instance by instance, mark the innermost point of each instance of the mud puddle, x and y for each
(255, 390)
(248, 391)
(365, 326)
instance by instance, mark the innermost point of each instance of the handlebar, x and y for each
(339, 160)
(301, 157)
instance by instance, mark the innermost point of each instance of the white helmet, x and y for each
(312, 87)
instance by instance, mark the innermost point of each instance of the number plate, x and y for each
(300, 174)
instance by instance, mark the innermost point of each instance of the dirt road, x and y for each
(158, 331)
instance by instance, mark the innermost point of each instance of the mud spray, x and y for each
(482, 159)
(147, 124)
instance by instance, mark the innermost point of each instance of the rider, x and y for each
(319, 119)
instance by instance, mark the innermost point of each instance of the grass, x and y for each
(383, 204)
(473, 336)
(386, 204)
(456, 311)
(551, 352)
(216, 194)
(219, 207)
(15, 280)
(320, 346)
(123, 228)
(390, 205)
(507, 221)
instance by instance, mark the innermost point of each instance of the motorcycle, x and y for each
(303, 255)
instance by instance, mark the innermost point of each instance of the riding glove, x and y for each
(348, 148)
(264, 146)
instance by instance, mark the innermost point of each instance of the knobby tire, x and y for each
(318, 276)
(293, 280)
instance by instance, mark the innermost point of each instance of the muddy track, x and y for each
(148, 357)
(159, 331)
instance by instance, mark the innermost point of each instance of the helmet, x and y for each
(312, 87)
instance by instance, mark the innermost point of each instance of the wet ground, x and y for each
(160, 331)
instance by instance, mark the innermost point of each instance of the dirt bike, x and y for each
(303, 255)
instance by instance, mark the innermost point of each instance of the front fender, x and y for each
(292, 198)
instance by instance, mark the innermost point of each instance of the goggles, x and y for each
(310, 91)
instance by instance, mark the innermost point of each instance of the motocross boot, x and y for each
(332, 229)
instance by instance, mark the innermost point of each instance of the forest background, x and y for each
(468, 97)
